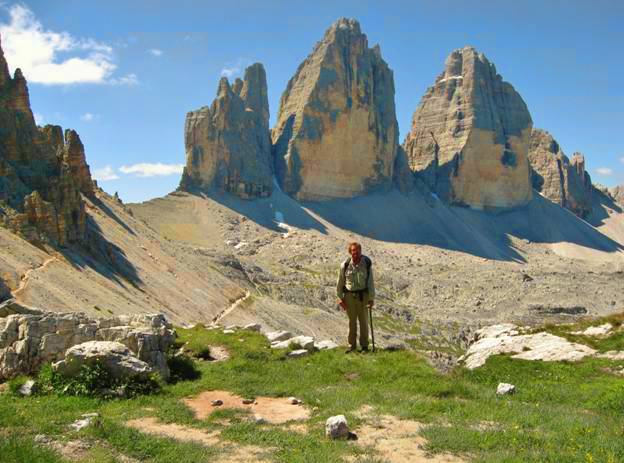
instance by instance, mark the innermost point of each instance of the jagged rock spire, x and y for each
(336, 133)
(228, 145)
(470, 136)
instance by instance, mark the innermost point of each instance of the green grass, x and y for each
(562, 412)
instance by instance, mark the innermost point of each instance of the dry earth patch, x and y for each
(153, 426)
(395, 441)
(273, 410)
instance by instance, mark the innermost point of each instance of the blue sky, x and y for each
(124, 73)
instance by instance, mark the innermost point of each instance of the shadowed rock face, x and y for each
(470, 136)
(562, 181)
(228, 145)
(41, 173)
(618, 194)
(336, 133)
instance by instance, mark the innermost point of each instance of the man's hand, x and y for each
(342, 305)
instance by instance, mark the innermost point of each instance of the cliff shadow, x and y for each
(101, 205)
(601, 205)
(102, 255)
(269, 212)
(423, 219)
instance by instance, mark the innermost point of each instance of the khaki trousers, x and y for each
(357, 310)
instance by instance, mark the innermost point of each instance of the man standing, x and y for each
(356, 293)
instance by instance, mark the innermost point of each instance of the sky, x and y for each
(124, 73)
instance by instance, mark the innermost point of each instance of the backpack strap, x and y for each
(369, 264)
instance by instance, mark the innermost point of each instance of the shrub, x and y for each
(95, 381)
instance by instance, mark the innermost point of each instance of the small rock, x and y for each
(526, 277)
(253, 327)
(298, 353)
(88, 419)
(277, 336)
(216, 403)
(28, 388)
(248, 401)
(505, 388)
(294, 401)
(259, 420)
(336, 427)
(41, 439)
(229, 331)
(306, 342)
(325, 345)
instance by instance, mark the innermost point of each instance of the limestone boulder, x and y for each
(116, 358)
(561, 180)
(336, 134)
(30, 338)
(228, 145)
(470, 136)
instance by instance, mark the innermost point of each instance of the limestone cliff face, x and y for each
(470, 136)
(41, 174)
(336, 134)
(562, 181)
(228, 145)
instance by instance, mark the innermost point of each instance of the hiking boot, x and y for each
(350, 350)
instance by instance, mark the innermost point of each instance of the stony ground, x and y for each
(441, 272)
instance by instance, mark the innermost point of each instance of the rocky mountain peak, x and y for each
(470, 136)
(561, 180)
(336, 133)
(254, 92)
(41, 173)
(228, 145)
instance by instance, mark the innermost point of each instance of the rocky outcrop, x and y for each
(617, 193)
(561, 180)
(41, 174)
(228, 145)
(470, 136)
(336, 134)
(30, 338)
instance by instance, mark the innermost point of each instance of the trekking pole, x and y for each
(370, 317)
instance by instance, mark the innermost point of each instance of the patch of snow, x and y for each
(451, 78)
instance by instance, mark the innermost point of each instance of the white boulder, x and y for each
(116, 358)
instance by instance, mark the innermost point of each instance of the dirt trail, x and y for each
(231, 308)
(26, 276)
(231, 453)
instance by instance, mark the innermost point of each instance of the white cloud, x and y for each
(128, 79)
(232, 69)
(155, 52)
(89, 117)
(39, 119)
(604, 171)
(152, 170)
(36, 51)
(104, 174)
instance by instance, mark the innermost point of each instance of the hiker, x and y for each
(356, 293)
